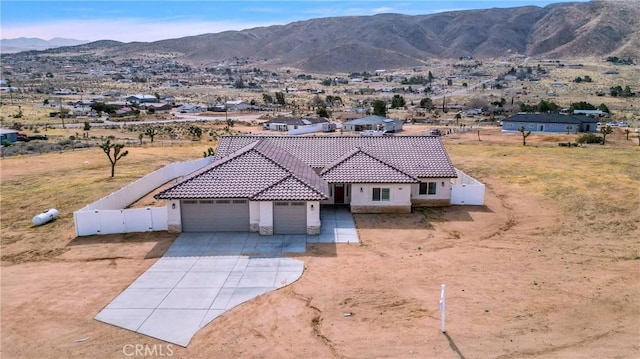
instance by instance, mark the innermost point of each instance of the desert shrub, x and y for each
(589, 138)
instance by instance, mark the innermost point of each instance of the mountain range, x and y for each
(8, 46)
(358, 43)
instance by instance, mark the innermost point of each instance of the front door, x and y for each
(338, 193)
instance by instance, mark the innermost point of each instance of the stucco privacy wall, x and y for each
(466, 190)
(108, 214)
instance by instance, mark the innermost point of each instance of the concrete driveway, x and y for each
(203, 275)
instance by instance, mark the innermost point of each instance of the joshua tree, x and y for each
(107, 147)
(605, 130)
(151, 132)
(524, 135)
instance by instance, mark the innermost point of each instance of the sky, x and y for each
(149, 20)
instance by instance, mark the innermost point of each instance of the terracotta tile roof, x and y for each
(249, 172)
(282, 168)
(358, 166)
(289, 189)
(418, 156)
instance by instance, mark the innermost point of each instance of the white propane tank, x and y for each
(45, 217)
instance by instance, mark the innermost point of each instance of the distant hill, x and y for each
(8, 46)
(359, 43)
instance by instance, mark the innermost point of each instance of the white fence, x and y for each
(466, 190)
(108, 214)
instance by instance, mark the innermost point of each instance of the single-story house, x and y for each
(276, 184)
(237, 105)
(189, 108)
(592, 113)
(297, 125)
(140, 98)
(158, 107)
(7, 134)
(373, 122)
(550, 122)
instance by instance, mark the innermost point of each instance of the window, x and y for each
(427, 188)
(381, 194)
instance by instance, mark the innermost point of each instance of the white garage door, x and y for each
(222, 215)
(289, 218)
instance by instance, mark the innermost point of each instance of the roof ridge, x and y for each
(290, 175)
(354, 152)
(288, 170)
(202, 170)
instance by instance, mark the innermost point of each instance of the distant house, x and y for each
(8, 135)
(550, 122)
(157, 107)
(297, 125)
(189, 108)
(64, 92)
(375, 123)
(237, 105)
(124, 111)
(593, 113)
(140, 98)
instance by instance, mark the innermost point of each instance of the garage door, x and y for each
(289, 218)
(222, 215)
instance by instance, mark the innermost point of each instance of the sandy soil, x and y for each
(519, 284)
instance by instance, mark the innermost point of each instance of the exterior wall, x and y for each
(278, 127)
(265, 224)
(174, 219)
(302, 129)
(254, 216)
(347, 194)
(313, 217)
(9, 136)
(442, 196)
(548, 127)
(399, 198)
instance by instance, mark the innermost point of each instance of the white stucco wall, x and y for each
(313, 213)
(254, 214)
(400, 194)
(443, 189)
(174, 218)
(266, 213)
(302, 129)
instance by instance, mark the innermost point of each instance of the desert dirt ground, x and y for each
(536, 272)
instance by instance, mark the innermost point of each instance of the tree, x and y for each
(114, 156)
(280, 98)
(323, 112)
(430, 78)
(605, 130)
(379, 108)
(524, 135)
(268, 99)
(151, 132)
(140, 137)
(603, 108)
(195, 132)
(398, 101)
(426, 103)
(228, 125)
(87, 126)
(626, 131)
